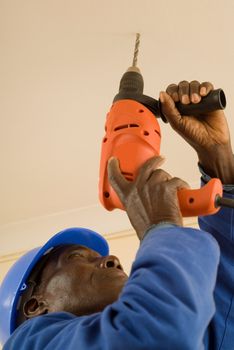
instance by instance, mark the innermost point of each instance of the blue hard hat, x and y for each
(15, 282)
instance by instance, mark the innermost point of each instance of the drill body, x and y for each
(133, 136)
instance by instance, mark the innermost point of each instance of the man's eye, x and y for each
(76, 255)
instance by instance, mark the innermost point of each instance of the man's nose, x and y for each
(110, 261)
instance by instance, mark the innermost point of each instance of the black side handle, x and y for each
(213, 101)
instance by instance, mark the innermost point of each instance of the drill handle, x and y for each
(213, 101)
(201, 201)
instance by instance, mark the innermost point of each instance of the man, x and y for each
(78, 297)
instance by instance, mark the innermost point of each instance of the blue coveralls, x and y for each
(168, 302)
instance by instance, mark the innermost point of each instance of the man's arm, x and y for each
(209, 136)
(221, 330)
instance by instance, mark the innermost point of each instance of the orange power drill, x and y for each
(133, 135)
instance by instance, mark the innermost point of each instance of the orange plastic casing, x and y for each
(200, 201)
(133, 136)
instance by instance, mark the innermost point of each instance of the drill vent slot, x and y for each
(157, 132)
(128, 176)
(125, 126)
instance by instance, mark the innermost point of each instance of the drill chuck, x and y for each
(131, 84)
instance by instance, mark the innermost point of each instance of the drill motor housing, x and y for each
(133, 136)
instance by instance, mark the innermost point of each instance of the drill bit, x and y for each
(134, 67)
(136, 50)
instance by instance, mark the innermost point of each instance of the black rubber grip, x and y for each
(213, 101)
(131, 82)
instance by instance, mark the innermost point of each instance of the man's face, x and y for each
(77, 279)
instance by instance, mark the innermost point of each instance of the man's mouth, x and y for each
(116, 271)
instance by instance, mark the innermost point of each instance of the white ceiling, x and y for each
(60, 66)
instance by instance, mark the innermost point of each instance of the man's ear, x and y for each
(34, 307)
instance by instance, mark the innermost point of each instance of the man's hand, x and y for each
(151, 198)
(208, 134)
